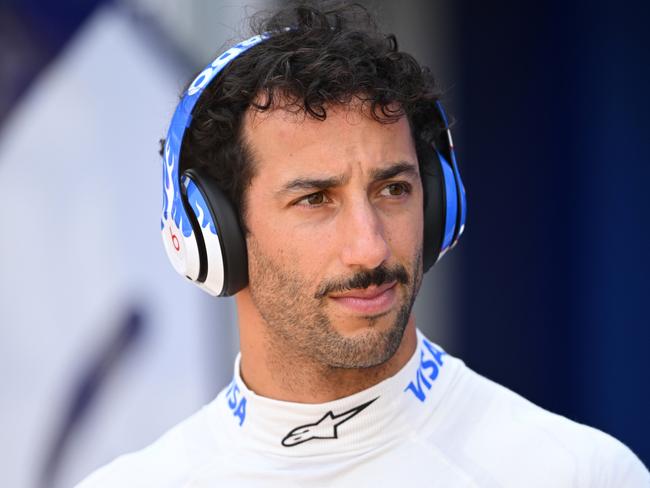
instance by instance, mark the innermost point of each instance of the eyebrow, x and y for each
(395, 169)
(301, 184)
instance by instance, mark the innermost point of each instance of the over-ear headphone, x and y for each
(199, 225)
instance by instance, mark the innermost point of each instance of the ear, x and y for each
(226, 270)
(434, 201)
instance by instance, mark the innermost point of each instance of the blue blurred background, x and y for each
(102, 347)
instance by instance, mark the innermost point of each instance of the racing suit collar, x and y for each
(359, 423)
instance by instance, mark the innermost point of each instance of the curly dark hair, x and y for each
(317, 55)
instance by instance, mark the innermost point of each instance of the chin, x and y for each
(364, 324)
(365, 342)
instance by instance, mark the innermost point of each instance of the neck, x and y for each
(273, 369)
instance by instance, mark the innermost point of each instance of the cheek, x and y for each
(405, 234)
(306, 253)
(288, 259)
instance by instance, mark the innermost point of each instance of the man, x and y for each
(316, 182)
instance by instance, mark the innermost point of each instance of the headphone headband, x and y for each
(175, 224)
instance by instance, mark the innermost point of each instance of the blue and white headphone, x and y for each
(199, 225)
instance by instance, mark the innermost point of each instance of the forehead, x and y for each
(285, 142)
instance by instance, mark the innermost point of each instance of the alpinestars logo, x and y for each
(325, 428)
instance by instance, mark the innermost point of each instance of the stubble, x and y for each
(299, 328)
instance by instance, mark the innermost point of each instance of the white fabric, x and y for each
(435, 423)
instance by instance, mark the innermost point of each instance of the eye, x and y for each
(396, 189)
(313, 200)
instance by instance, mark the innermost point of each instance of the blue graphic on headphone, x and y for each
(198, 204)
(454, 166)
(451, 201)
(181, 121)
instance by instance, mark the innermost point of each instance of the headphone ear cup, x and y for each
(226, 262)
(434, 202)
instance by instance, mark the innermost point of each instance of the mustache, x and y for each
(365, 278)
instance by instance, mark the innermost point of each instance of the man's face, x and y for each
(334, 214)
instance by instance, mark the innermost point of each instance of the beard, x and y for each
(298, 322)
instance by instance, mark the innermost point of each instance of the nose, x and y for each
(364, 240)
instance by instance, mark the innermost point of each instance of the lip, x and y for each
(369, 301)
